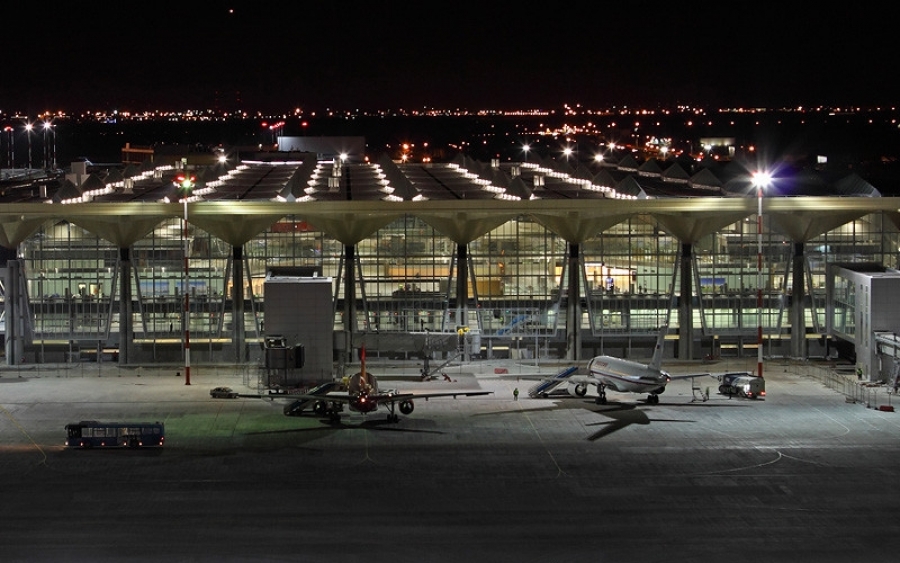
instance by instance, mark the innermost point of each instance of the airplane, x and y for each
(618, 374)
(360, 393)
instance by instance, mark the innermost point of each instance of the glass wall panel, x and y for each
(406, 279)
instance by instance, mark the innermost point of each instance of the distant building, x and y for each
(723, 147)
(326, 148)
(168, 155)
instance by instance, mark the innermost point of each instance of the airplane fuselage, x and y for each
(627, 376)
(362, 403)
(362, 395)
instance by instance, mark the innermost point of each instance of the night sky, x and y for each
(275, 56)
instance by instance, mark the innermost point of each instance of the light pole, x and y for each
(185, 183)
(12, 146)
(49, 151)
(28, 128)
(44, 145)
(570, 154)
(761, 180)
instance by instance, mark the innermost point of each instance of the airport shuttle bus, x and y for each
(94, 434)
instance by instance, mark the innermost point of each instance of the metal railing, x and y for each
(871, 394)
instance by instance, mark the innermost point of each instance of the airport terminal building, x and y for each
(530, 259)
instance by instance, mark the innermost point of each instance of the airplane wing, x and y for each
(368, 403)
(392, 397)
(643, 380)
(690, 376)
(453, 394)
(589, 379)
(344, 397)
(568, 375)
(728, 374)
(720, 376)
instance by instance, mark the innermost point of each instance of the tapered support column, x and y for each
(462, 285)
(798, 299)
(11, 300)
(237, 302)
(685, 305)
(126, 330)
(573, 304)
(350, 326)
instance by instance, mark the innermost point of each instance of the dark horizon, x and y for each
(859, 135)
(270, 58)
(865, 143)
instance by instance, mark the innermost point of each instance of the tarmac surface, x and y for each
(802, 475)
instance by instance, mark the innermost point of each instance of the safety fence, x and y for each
(842, 379)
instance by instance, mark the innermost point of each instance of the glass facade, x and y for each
(405, 275)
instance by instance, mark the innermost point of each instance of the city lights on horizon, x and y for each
(662, 133)
(576, 110)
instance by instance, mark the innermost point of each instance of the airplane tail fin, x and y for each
(363, 382)
(362, 361)
(656, 361)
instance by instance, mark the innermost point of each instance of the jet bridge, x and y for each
(546, 386)
(888, 353)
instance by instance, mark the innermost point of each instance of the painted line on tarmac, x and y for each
(25, 432)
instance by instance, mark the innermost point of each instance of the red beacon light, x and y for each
(185, 182)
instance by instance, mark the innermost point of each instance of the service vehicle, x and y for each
(96, 434)
(742, 384)
(223, 393)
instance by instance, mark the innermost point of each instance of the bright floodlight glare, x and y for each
(598, 157)
(762, 179)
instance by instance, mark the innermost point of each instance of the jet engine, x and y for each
(406, 407)
(577, 389)
(320, 408)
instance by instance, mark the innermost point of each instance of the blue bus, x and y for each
(94, 434)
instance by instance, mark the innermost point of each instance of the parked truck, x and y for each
(742, 384)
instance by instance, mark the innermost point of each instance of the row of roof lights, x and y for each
(320, 171)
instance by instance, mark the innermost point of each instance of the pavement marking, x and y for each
(27, 435)
(534, 428)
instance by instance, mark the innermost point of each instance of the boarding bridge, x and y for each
(546, 386)
(888, 354)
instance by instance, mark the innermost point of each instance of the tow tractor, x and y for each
(742, 384)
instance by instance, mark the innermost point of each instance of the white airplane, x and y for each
(360, 393)
(619, 374)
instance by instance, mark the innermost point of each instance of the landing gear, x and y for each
(601, 395)
(652, 399)
(331, 411)
(393, 416)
